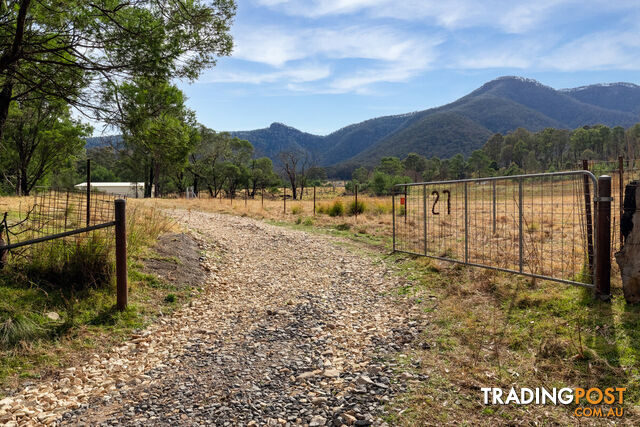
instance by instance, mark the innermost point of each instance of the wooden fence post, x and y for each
(603, 241)
(314, 200)
(121, 254)
(284, 199)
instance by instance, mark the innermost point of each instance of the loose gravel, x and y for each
(291, 328)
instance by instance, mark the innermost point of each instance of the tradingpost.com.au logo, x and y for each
(584, 399)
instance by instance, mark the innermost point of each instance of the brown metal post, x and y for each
(587, 208)
(284, 199)
(314, 200)
(245, 199)
(121, 254)
(621, 194)
(262, 197)
(88, 191)
(603, 240)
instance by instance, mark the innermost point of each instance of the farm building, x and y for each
(129, 189)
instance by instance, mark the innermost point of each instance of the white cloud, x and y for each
(301, 74)
(598, 51)
(507, 15)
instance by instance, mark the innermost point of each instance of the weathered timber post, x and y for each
(121, 254)
(628, 258)
(587, 210)
(603, 240)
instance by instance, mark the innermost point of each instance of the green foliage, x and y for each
(67, 47)
(170, 298)
(343, 227)
(17, 327)
(296, 209)
(308, 221)
(41, 139)
(74, 266)
(336, 209)
(354, 208)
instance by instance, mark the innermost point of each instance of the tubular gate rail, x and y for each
(59, 214)
(538, 225)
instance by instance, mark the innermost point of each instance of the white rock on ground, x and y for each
(279, 304)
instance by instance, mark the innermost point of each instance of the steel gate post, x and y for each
(603, 239)
(393, 216)
(466, 223)
(494, 207)
(520, 235)
(424, 219)
(587, 207)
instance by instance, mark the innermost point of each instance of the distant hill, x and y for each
(501, 105)
(614, 96)
(104, 141)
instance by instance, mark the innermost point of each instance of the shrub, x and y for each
(72, 266)
(299, 220)
(308, 221)
(381, 209)
(296, 209)
(336, 209)
(356, 208)
(16, 328)
(170, 298)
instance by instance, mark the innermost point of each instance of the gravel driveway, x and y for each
(291, 328)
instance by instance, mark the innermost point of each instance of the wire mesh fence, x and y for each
(52, 212)
(622, 172)
(538, 225)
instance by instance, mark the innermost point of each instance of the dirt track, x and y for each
(291, 329)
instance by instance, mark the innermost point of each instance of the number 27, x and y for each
(435, 202)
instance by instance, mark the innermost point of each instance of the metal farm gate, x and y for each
(537, 225)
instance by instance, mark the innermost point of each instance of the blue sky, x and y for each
(319, 65)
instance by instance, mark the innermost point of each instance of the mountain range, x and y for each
(499, 106)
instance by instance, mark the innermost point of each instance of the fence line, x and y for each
(535, 225)
(60, 214)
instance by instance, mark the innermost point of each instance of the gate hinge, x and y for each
(603, 199)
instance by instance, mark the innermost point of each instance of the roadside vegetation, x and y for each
(58, 299)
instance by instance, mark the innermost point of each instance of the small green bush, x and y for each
(336, 209)
(381, 209)
(322, 209)
(296, 209)
(308, 221)
(343, 227)
(16, 328)
(356, 208)
(170, 298)
(71, 266)
(299, 220)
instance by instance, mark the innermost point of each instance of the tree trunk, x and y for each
(156, 180)
(24, 182)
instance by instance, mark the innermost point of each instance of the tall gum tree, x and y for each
(73, 50)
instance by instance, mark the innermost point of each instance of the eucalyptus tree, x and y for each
(75, 50)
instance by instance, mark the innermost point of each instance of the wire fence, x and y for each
(538, 225)
(52, 212)
(622, 172)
